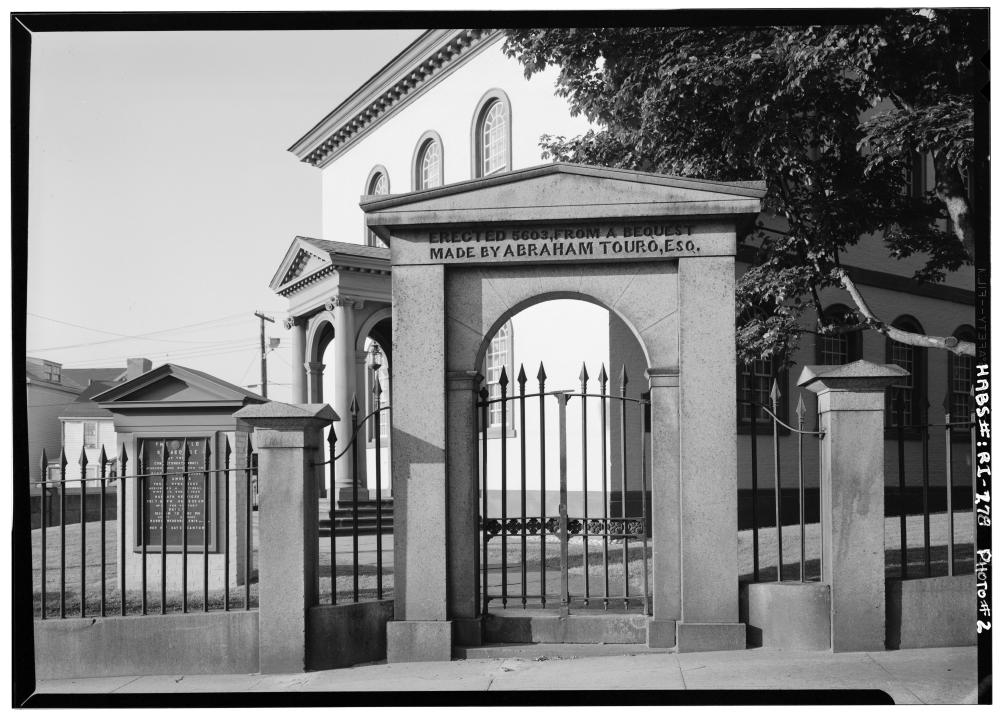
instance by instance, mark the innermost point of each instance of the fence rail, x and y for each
(359, 435)
(800, 434)
(900, 443)
(155, 491)
(902, 433)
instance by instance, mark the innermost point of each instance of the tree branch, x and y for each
(951, 344)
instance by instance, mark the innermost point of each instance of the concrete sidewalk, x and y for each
(933, 676)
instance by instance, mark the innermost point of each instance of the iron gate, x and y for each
(592, 550)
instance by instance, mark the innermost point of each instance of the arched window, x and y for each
(960, 372)
(377, 184)
(428, 162)
(910, 391)
(499, 355)
(843, 347)
(491, 134)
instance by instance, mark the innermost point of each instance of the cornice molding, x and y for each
(424, 63)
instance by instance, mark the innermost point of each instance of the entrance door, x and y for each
(562, 523)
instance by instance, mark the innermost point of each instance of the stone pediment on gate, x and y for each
(562, 191)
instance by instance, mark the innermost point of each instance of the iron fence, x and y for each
(602, 528)
(151, 486)
(901, 498)
(779, 428)
(358, 528)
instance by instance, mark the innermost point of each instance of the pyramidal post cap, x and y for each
(861, 374)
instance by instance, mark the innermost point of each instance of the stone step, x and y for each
(537, 626)
(552, 651)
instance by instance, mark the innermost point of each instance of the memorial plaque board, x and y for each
(200, 507)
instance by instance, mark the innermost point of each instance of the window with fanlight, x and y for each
(492, 134)
(500, 355)
(428, 172)
(378, 184)
(960, 378)
(905, 399)
(843, 346)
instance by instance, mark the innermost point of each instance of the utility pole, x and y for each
(263, 352)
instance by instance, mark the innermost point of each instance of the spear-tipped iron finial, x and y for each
(800, 410)
(504, 382)
(541, 374)
(602, 377)
(584, 377)
(775, 395)
(521, 377)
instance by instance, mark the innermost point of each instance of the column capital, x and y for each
(314, 367)
(344, 301)
(292, 321)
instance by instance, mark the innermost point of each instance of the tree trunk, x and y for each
(951, 190)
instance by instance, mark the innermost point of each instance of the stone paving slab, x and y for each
(932, 676)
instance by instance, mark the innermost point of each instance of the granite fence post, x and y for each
(289, 441)
(851, 400)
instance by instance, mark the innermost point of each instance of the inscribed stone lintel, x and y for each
(597, 242)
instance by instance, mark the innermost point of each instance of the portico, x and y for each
(339, 294)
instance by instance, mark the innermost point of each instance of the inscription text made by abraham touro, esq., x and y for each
(629, 240)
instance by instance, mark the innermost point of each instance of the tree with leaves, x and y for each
(830, 117)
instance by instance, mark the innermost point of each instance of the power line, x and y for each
(120, 336)
(192, 353)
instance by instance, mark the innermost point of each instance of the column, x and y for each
(314, 371)
(344, 390)
(299, 386)
(420, 630)
(664, 397)
(709, 570)
(365, 406)
(289, 441)
(851, 403)
(463, 506)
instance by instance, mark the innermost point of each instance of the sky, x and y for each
(161, 193)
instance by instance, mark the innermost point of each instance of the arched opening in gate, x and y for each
(562, 440)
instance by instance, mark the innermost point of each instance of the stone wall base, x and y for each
(698, 637)
(344, 635)
(789, 615)
(418, 640)
(661, 633)
(192, 644)
(930, 612)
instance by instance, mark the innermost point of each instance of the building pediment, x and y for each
(310, 259)
(563, 191)
(173, 385)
